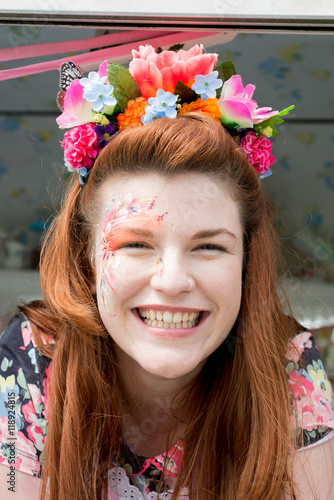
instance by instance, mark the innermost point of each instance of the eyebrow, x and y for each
(206, 233)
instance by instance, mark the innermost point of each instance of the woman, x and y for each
(165, 332)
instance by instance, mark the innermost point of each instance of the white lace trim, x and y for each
(121, 489)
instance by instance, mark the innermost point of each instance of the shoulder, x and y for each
(24, 376)
(312, 398)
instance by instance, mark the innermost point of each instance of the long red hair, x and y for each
(237, 436)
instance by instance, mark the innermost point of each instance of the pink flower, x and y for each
(300, 386)
(314, 411)
(27, 334)
(77, 110)
(36, 395)
(258, 151)
(81, 146)
(35, 432)
(237, 106)
(174, 459)
(297, 346)
(154, 71)
(26, 457)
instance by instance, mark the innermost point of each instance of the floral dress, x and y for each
(24, 376)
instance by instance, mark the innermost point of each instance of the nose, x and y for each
(171, 274)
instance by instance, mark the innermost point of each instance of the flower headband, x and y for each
(157, 85)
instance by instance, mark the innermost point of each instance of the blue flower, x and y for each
(32, 356)
(82, 171)
(265, 174)
(97, 92)
(83, 175)
(164, 104)
(206, 86)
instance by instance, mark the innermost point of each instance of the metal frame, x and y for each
(276, 24)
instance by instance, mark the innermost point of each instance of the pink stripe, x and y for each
(45, 49)
(97, 56)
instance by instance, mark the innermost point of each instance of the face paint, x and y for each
(160, 265)
(124, 210)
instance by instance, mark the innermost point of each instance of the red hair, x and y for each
(237, 436)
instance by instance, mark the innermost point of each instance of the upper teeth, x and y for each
(167, 316)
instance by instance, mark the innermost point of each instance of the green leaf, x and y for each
(174, 48)
(125, 87)
(4, 364)
(225, 71)
(286, 110)
(21, 379)
(186, 94)
(272, 121)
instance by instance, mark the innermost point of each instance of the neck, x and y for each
(148, 417)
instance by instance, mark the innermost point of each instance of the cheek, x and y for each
(226, 284)
(119, 276)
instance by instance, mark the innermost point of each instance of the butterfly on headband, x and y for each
(68, 72)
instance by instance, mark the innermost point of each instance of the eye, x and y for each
(134, 244)
(211, 246)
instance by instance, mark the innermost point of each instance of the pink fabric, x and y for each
(85, 60)
(46, 49)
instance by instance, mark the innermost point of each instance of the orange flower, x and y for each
(209, 107)
(132, 114)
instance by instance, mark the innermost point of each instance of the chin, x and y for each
(172, 370)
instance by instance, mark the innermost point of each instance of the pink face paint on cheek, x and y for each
(113, 237)
(109, 262)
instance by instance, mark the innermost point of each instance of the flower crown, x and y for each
(157, 85)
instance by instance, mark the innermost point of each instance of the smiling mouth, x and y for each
(166, 319)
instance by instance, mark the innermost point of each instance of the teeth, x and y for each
(177, 318)
(168, 317)
(165, 319)
(184, 324)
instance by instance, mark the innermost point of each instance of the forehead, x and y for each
(189, 199)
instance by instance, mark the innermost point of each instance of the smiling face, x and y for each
(168, 270)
